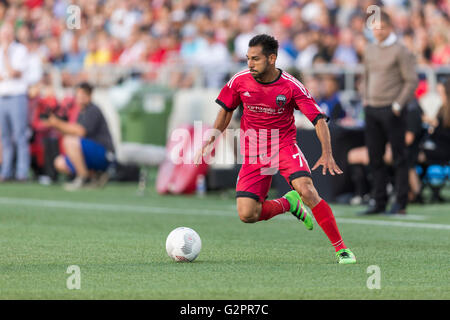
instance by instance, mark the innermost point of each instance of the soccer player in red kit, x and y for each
(268, 141)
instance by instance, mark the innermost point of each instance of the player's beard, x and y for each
(260, 75)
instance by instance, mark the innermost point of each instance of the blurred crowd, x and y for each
(212, 34)
(76, 36)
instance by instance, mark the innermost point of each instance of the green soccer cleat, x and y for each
(345, 256)
(298, 209)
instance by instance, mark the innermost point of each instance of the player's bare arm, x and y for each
(326, 160)
(221, 123)
(64, 126)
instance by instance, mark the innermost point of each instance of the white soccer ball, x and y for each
(183, 244)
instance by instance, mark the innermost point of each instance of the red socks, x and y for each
(322, 213)
(325, 218)
(272, 208)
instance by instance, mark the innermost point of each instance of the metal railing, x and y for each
(110, 74)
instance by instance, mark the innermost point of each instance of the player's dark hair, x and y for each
(268, 43)
(86, 87)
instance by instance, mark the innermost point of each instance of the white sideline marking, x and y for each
(395, 223)
(407, 217)
(105, 207)
(191, 211)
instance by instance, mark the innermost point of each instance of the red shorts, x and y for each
(255, 175)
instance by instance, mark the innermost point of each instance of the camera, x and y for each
(58, 112)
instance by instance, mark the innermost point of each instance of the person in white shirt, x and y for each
(214, 60)
(13, 106)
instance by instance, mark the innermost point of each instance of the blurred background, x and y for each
(158, 65)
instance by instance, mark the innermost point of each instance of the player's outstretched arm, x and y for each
(221, 123)
(326, 160)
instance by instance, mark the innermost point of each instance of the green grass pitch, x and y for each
(117, 238)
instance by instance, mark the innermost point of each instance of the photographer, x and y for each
(87, 143)
(44, 140)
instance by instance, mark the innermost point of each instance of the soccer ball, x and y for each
(183, 244)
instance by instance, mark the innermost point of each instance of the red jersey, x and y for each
(267, 124)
